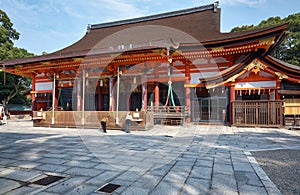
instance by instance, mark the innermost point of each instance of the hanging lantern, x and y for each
(258, 92)
(101, 83)
(134, 80)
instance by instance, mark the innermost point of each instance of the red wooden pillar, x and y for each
(33, 104)
(145, 91)
(78, 94)
(156, 88)
(277, 96)
(188, 90)
(232, 94)
(232, 98)
(188, 100)
(111, 94)
(156, 94)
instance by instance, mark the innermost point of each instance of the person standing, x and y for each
(103, 123)
(128, 120)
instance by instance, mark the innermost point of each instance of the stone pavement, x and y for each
(165, 160)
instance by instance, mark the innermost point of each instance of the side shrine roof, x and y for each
(273, 65)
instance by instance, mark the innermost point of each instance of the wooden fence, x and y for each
(257, 113)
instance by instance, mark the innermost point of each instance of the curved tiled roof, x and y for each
(274, 64)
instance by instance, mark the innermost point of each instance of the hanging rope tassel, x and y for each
(168, 96)
(170, 93)
(172, 97)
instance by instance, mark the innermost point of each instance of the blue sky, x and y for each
(49, 25)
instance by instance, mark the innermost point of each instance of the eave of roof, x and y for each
(160, 44)
(285, 64)
(232, 37)
(225, 38)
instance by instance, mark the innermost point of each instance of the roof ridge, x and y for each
(213, 7)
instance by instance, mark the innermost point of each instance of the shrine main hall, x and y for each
(171, 68)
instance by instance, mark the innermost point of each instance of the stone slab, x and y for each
(7, 185)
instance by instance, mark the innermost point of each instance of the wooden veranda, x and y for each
(90, 119)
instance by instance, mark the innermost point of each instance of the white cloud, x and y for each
(49, 21)
(230, 2)
(98, 9)
(250, 3)
(43, 24)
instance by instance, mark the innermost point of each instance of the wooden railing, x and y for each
(169, 115)
(257, 113)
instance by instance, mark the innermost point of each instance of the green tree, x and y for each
(289, 49)
(12, 86)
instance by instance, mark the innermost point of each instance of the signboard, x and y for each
(44, 86)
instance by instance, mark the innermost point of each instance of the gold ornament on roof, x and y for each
(77, 59)
(281, 75)
(255, 69)
(255, 66)
(216, 49)
(268, 41)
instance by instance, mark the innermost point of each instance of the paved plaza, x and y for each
(165, 160)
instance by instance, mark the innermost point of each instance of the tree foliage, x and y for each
(289, 50)
(12, 87)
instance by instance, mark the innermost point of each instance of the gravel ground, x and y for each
(282, 167)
